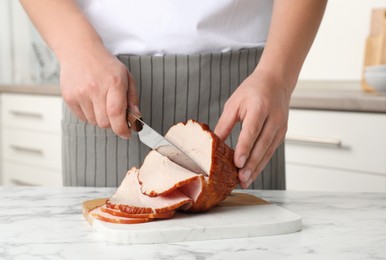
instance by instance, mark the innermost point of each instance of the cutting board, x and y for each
(239, 216)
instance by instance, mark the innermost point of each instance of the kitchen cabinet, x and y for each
(336, 151)
(31, 140)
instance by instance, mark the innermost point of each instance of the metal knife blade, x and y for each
(156, 141)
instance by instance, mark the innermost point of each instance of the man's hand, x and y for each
(95, 84)
(98, 88)
(261, 103)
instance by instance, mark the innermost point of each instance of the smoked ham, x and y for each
(129, 198)
(106, 217)
(159, 175)
(213, 156)
(161, 186)
(118, 213)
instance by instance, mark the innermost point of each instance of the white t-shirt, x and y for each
(158, 27)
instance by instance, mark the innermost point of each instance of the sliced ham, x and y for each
(213, 156)
(119, 213)
(106, 217)
(129, 199)
(161, 186)
(159, 175)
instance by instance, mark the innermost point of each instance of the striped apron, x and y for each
(172, 88)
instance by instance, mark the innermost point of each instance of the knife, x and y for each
(156, 141)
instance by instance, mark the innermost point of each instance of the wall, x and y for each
(337, 53)
(338, 50)
(16, 59)
(23, 62)
(5, 43)
(24, 57)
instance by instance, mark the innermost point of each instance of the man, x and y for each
(205, 42)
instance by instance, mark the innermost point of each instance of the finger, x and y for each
(226, 122)
(116, 104)
(100, 110)
(246, 184)
(78, 112)
(250, 130)
(73, 105)
(261, 146)
(279, 138)
(88, 111)
(263, 163)
(132, 97)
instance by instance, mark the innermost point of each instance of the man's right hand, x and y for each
(98, 88)
(95, 84)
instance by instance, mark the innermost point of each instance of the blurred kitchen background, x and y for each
(24, 57)
(336, 139)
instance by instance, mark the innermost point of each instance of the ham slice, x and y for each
(119, 213)
(129, 199)
(159, 175)
(213, 156)
(106, 217)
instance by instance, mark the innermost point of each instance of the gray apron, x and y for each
(171, 88)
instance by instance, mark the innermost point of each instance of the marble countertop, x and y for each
(46, 223)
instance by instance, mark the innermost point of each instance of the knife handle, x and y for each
(134, 122)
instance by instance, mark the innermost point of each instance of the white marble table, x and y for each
(46, 223)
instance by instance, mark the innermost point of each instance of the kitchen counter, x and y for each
(320, 95)
(49, 90)
(46, 223)
(337, 96)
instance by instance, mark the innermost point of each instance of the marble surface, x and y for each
(46, 223)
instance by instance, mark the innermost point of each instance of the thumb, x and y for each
(225, 124)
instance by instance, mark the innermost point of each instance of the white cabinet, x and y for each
(31, 140)
(336, 151)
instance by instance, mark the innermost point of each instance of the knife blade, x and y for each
(156, 141)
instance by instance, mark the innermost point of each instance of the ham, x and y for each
(129, 198)
(106, 217)
(213, 156)
(161, 186)
(159, 175)
(118, 213)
